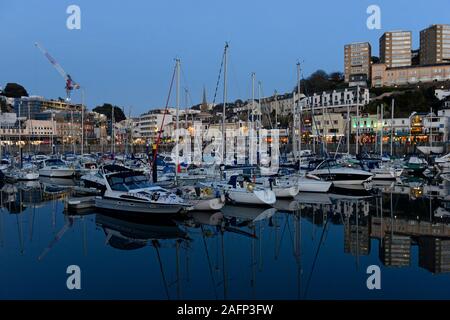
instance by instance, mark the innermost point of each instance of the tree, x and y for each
(336, 77)
(14, 90)
(375, 59)
(320, 81)
(106, 109)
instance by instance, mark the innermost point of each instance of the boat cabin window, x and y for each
(128, 183)
(54, 162)
(327, 164)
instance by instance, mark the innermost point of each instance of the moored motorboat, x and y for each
(132, 192)
(202, 198)
(240, 190)
(340, 175)
(55, 168)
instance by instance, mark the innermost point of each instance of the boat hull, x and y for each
(312, 185)
(257, 197)
(121, 205)
(285, 192)
(213, 204)
(56, 173)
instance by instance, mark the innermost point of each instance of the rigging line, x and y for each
(218, 77)
(156, 246)
(209, 262)
(315, 257)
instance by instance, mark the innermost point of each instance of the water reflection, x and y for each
(242, 252)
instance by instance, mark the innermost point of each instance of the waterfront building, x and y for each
(357, 60)
(330, 126)
(395, 49)
(382, 75)
(150, 123)
(435, 44)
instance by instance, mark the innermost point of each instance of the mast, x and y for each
(376, 130)
(53, 132)
(357, 120)
(20, 134)
(31, 129)
(250, 123)
(186, 109)
(82, 121)
(349, 126)
(294, 125)
(72, 132)
(392, 127)
(431, 134)
(224, 100)
(382, 129)
(113, 133)
(258, 124)
(299, 118)
(276, 109)
(177, 136)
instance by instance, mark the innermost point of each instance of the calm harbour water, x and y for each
(318, 247)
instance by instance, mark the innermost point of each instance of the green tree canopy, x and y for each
(14, 90)
(107, 108)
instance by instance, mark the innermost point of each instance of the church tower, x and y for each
(204, 106)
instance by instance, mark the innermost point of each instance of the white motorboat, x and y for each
(240, 190)
(339, 174)
(443, 162)
(284, 187)
(27, 173)
(203, 198)
(55, 168)
(86, 164)
(4, 164)
(96, 180)
(386, 173)
(311, 184)
(132, 192)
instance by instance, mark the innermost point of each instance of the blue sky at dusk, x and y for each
(124, 52)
